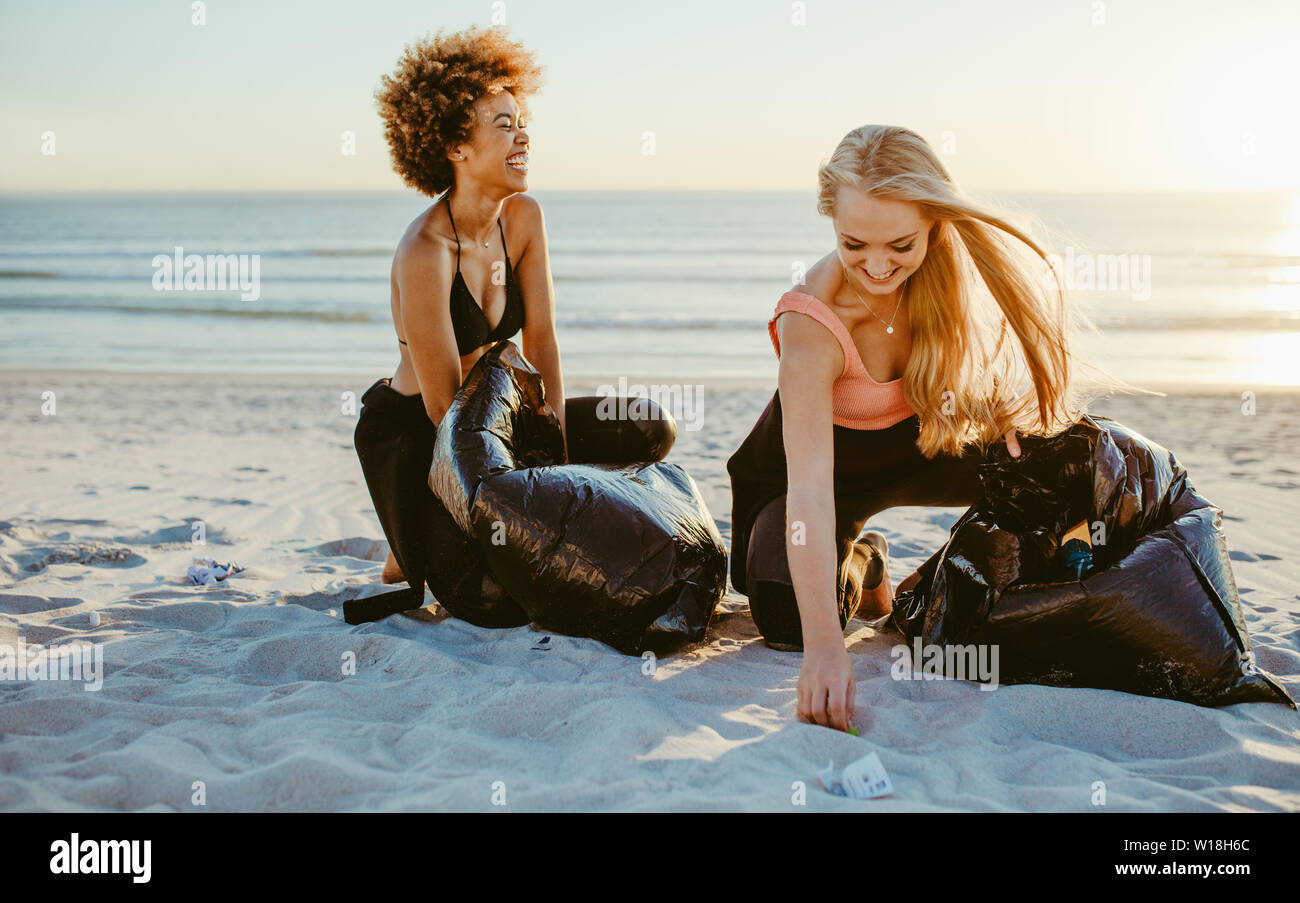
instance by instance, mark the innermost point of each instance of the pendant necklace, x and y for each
(889, 327)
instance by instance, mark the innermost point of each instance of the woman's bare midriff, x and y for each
(404, 381)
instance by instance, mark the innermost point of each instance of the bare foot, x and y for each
(392, 573)
(879, 599)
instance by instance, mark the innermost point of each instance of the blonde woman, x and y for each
(896, 374)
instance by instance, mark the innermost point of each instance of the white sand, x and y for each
(241, 685)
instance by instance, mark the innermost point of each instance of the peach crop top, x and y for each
(857, 401)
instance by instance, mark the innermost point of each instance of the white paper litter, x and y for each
(864, 779)
(206, 571)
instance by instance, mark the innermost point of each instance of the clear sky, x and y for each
(1077, 95)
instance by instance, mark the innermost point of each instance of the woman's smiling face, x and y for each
(878, 237)
(497, 153)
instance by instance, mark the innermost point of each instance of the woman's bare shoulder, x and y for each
(805, 339)
(822, 280)
(423, 248)
(524, 221)
(523, 205)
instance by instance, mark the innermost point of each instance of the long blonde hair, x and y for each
(964, 391)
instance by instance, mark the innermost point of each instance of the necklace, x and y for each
(889, 327)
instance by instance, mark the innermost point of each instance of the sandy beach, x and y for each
(244, 685)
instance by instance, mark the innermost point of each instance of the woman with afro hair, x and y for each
(470, 271)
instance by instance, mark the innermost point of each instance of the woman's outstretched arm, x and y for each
(811, 360)
(534, 272)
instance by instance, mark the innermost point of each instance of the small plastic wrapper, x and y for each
(864, 779)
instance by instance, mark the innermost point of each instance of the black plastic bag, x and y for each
(1158, 614)
(394, 441)
(626, 554)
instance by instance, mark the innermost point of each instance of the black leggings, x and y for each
(874, 470)
(394, 441)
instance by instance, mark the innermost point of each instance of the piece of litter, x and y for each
(863, 780)
(206, 571)
(827, 777)
(94, 619)
(543, 645)
(853, 731)
(867, 777)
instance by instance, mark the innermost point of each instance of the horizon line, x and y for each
(111, 192)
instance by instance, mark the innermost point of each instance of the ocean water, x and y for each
(1199, 290)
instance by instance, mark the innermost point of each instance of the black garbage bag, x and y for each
(1158, 614)
(627, 554)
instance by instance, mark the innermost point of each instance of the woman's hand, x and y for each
(1012, 445)
(827, 687)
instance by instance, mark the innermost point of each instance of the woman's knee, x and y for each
(615, 429)
(766, 552)
(657, 426)
(772, 602)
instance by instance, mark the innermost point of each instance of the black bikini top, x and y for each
(468, 320)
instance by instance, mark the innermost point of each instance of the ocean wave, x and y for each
(680, 278)
(146, 277)
(1281, 321)
(690, 256)
(1247, 322)
(333, 316)
(150, 252)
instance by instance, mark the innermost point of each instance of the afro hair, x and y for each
(427, 103)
